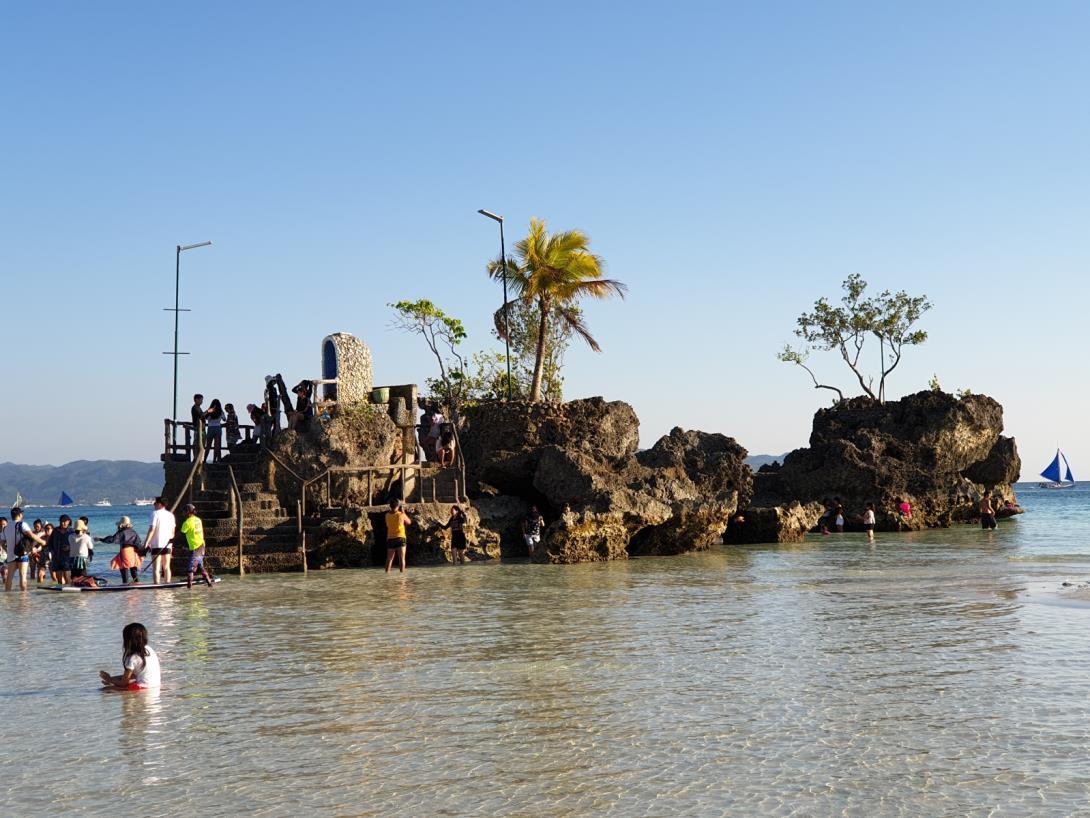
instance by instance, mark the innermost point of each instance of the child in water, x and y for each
(140, 662)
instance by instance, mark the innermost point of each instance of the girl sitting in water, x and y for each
(140, 662)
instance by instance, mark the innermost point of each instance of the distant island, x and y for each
(755, 461)
(85, 481)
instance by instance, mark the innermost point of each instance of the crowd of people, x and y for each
(63, 553)
(220, 422)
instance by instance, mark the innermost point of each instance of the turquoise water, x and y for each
(935, 673)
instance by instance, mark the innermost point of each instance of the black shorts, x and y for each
(988, 521)
(458, 540)
(868, 526)
(159, 552)
(397, 542)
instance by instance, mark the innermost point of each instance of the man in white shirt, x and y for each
(157, 543)
(19, 536)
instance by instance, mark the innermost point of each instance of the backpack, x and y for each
(21, 529)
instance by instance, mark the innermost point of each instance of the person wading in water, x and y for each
(396, 542)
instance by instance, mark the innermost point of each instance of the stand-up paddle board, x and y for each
(139, 586)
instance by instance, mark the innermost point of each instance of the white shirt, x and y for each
(163, 523)
(146, 671)
(13, 533)
(868, 517)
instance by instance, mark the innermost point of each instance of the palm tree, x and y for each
(552, 272)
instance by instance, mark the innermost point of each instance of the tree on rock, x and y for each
(889, 317)
(550, 273)
(443, 334)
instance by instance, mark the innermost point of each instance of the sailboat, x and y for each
(18, 500)
(64, 500)
(1052, 474)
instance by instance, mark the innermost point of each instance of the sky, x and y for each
(731, 162)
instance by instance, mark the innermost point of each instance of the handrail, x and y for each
(277, 458)
(241, 517)
(392, 467)
(198, 463)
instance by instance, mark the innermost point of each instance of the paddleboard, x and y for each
(139, 586)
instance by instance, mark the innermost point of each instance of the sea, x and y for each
(935, 673)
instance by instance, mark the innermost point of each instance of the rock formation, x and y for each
(935, 451)
(675, 497)
(357, 435)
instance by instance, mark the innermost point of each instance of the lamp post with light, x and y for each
(506, 325)
(181, 248)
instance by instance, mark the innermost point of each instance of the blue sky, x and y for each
(731, 162)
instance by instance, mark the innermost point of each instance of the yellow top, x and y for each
(194, 532)
(395, 525)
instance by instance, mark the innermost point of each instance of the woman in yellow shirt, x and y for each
(396, 520)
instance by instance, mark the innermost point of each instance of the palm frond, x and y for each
(573, 319)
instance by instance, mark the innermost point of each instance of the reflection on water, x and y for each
(915, 677)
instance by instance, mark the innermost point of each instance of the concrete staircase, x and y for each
(270, 541)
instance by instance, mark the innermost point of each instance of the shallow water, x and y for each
(938, 673)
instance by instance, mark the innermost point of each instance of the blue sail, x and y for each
(65, 500)
(1067, 466)
(1052, 472)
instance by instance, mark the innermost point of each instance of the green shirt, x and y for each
(193, 529)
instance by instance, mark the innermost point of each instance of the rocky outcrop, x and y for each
(361, 539)
(935, 451)
(771, 524)
(675, 497)
(356, 435)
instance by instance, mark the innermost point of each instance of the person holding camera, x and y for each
(396, 540)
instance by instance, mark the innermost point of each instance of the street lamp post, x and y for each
(506, 325)
(179, 249)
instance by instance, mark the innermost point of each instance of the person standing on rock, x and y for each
(868, 521)
(987, 512)
(196, 415)
(531, 530)
(396, 541)
(158, 541)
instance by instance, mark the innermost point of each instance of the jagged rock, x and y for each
(361, 540)
(675, 497)
(357, 435)
(769, 524)
(691, 527)
(714, 462)
(1002, 466)
(503, 441)
(925, 448)
(500, 525)
(584, 537)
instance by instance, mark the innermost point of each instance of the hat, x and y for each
(250, 407)
(124, 522)
(190, 508)
(80, 525)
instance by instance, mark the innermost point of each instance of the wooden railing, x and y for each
(198, 463)
(388, 473)
(240, 516)
(173, 450)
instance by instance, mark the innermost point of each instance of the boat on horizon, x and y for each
(145, 501)
(1052, 473)
(65, 500)
(104, 503)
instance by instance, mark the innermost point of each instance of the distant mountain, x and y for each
(755, 461)
(86, 481)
